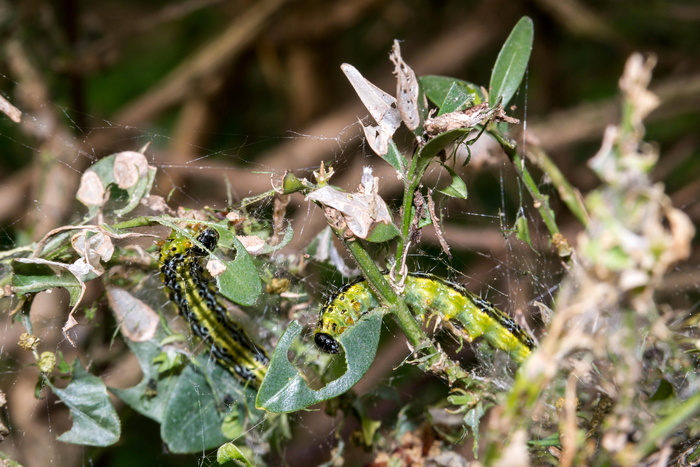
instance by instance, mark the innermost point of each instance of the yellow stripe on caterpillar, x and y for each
(464, 314)
(194, 293)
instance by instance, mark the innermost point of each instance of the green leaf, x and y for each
(229, 452)
(522, 230)
(368, 425)
(63, 366)
(395, 158)
(457, 189)
(473, 420)
(382, 232)
(511, 63)
(291, 184)
(169, 360)
(437, 88)
(95, 422)
(456, 99)
(285, 390)
(37, 275)
(240, 282)
(196, 413)
(193, 417)
(425, 219)
(551, 440)
(440, 142)
(150, 396)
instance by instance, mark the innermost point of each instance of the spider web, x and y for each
(486, 254)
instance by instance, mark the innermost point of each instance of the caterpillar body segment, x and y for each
(460, 311)
(194, 292)
(341, 311)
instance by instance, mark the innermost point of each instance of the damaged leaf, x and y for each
(457, 188)
(33, 275)
(137, 320)
(407, 90)
(381, 106)
(363, 211)
(125, 178)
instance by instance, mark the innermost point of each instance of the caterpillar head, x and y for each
(209, 238)
(326, 343)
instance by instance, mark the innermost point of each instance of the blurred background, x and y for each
(230, 94)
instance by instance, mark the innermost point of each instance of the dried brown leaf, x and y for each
(137, 320)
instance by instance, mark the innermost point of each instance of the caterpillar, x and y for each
(194, 293)
(463, 313)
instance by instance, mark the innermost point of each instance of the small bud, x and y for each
(28, 341)
(47, 361)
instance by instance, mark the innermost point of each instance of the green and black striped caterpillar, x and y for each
(463, 313)
(194, 292)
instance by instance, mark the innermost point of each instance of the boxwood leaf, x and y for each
(284, 389)
(95, 422)
(511, 63)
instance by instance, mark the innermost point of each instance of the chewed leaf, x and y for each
(91, 191)
(363, 211)
(93, 248)
(407, 89)
(126, 174)
(284, 389)
(465, 119)
(376, 137)
(240, 281)
(456, 189)
(381, 106)
(31, 275)
(229, 452)
(322, 249)
(95, 422)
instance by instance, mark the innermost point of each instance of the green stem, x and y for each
(417, 338)
(370, 270)
(406, 217)
(568, 194)
(414, 176)
(541, 200)
(145, 221)
(410, 327)
(254, 199)
(142, 221)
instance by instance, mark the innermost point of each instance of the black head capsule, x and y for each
(326, 343)
(209, 238)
